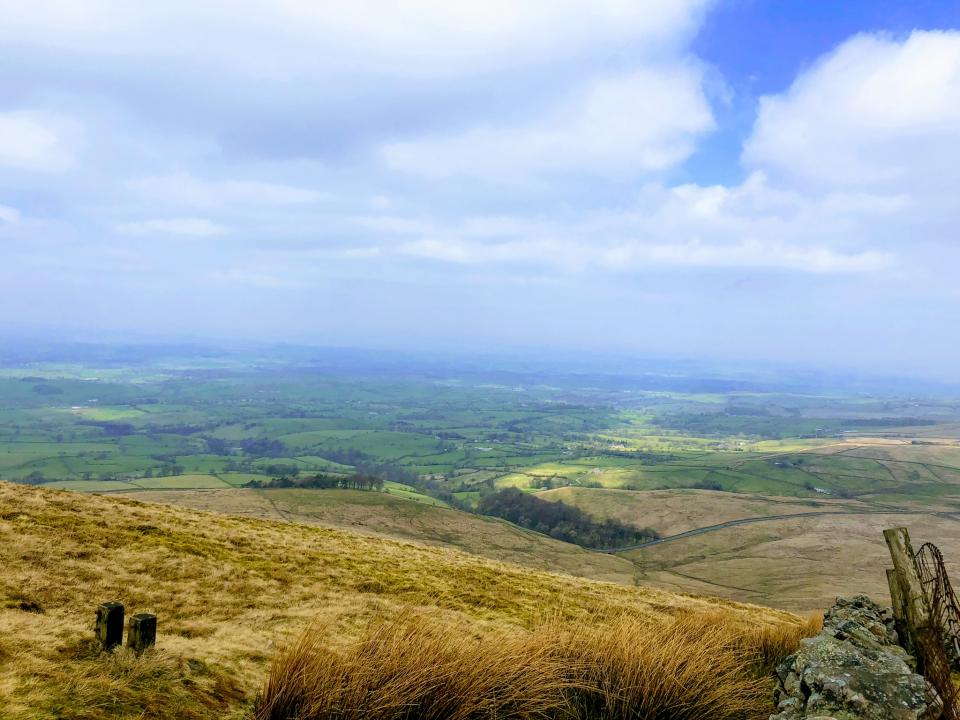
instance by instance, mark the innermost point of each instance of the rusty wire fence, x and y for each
(939, 654)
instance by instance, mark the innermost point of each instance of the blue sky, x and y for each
(739, 179)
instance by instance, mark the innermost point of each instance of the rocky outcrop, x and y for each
(854, 669)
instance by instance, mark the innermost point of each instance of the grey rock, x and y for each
(853, 670)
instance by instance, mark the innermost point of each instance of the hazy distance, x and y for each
(764, 181)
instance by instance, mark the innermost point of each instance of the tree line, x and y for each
(322, 482)
(561, 521)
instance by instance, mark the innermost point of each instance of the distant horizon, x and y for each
(623, 363)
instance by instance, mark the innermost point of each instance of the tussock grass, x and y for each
(120, 684)
(707, 665)
(769, 645)
(228, 591)
(412, 667)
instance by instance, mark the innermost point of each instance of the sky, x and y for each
(736, 179)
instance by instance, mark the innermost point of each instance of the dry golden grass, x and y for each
(799, 564)
(384, 515)
(228, 591)
(410, 667)
(710, 665)
(676, 511)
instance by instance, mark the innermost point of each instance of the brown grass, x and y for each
(227, 591)
(383, 515)
(709, 665)
(412, 667)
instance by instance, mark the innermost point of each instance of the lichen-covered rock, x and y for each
(861, 618)
(853, 670)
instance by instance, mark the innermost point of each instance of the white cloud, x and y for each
(875, 112)
(638, 256)
(9, 215)
(640, 122)
(191, 227)
(187, 190)
(31, 140)
(296, 38)
(749, 226)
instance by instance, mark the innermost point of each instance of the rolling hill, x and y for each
(397, 517)
(229, 591)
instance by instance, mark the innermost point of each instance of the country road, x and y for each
(766, 518)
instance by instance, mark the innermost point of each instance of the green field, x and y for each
(449, 437)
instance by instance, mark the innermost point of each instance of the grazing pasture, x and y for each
(197, 433)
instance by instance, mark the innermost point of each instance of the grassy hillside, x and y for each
(396, 516)
(229, 591)
(800, 563)
(676, 511)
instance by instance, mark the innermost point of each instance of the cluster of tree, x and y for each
(218, 446)
(263, 447)
(561, 521)
(368, 465)
(888, 422)
(647, 457)
(176, 429)
(111, 429)
(323, 482)
(708, 484)
(542, 482)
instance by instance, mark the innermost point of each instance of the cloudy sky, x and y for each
(773, 179)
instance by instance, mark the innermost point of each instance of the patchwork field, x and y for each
(665, 451)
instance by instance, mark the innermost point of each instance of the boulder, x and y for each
(853, 670)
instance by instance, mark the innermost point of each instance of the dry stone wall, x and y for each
(855, 669)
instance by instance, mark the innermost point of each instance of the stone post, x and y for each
(931, 658)
(899, 610)
(110, 625)
(142, 632)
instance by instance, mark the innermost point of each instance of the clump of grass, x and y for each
(119, 684)
(687, 668)
(413, 668)
(769, 645)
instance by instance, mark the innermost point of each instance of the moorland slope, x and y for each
(229, 591)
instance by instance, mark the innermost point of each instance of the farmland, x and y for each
(201, 430)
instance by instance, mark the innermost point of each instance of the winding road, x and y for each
(766, 518)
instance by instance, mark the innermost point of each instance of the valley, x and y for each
(820, 473)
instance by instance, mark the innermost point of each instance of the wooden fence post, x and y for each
(109, 630)
(899, 610)
(142, 632)
(916, 607)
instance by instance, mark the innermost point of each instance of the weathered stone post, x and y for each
(110, 624)
(931, 658)
(898, 604)
(915, 605)
(142, 632)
